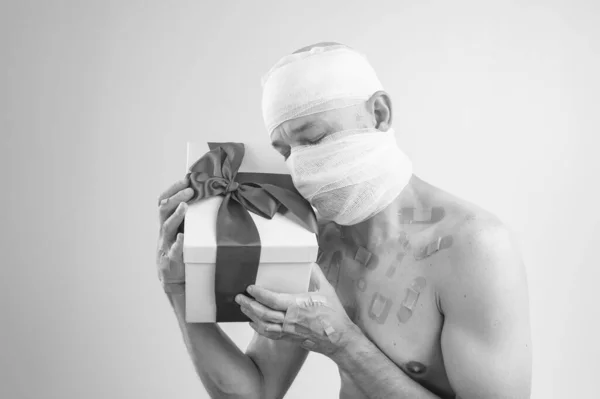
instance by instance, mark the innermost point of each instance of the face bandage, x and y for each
(352, 175)
(314, 81)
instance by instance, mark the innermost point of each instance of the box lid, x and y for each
(282, 239)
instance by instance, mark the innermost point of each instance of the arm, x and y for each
(265, 371)
(486, 340)
(374, 373)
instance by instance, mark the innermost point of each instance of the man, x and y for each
(419, 294)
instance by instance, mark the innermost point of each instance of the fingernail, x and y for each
(182, 206)
(188, 190)
(250, 289)
(238, 299)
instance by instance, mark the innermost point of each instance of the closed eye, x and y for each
(316, 141)
(306, 142)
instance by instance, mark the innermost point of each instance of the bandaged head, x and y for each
(350, 175)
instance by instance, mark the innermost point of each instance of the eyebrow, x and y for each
(306, 125)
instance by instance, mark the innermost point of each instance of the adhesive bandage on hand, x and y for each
(305, 316)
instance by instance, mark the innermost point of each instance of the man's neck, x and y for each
(391, 222)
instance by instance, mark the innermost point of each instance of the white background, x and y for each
(495, 101)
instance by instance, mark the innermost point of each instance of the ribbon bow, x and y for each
(238, 240)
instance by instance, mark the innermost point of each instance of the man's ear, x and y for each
(380, 106)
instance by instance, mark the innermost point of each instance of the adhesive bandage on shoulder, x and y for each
(421, 215)
(433, 247)
(314, 81)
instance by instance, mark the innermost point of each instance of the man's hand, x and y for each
(316, 320)
(169, 255)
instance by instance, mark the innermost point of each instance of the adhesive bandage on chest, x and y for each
(314, 81)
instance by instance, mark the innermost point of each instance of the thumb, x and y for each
(318, 281)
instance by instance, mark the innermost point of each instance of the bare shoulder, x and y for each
(475, 232)
(484, 260)
(481, 288)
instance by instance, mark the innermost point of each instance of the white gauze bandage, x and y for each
(314, 81)
(348, 176)
(351, 175)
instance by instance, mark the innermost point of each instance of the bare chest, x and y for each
(388, 291)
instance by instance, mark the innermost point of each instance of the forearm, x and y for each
(223, 368)
(374, 373)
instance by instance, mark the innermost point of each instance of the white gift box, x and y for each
(288, 250)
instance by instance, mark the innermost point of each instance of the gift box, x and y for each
(245, 225)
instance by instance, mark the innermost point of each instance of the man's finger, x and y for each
(271, 299)
(269, 326)
(170, 226)
(261, 311)
(271, 331)
(176, 250)
(162, 261)
(169, 204)
(175, 188)
(174, 270)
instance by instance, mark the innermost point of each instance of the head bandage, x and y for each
(318, 80)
